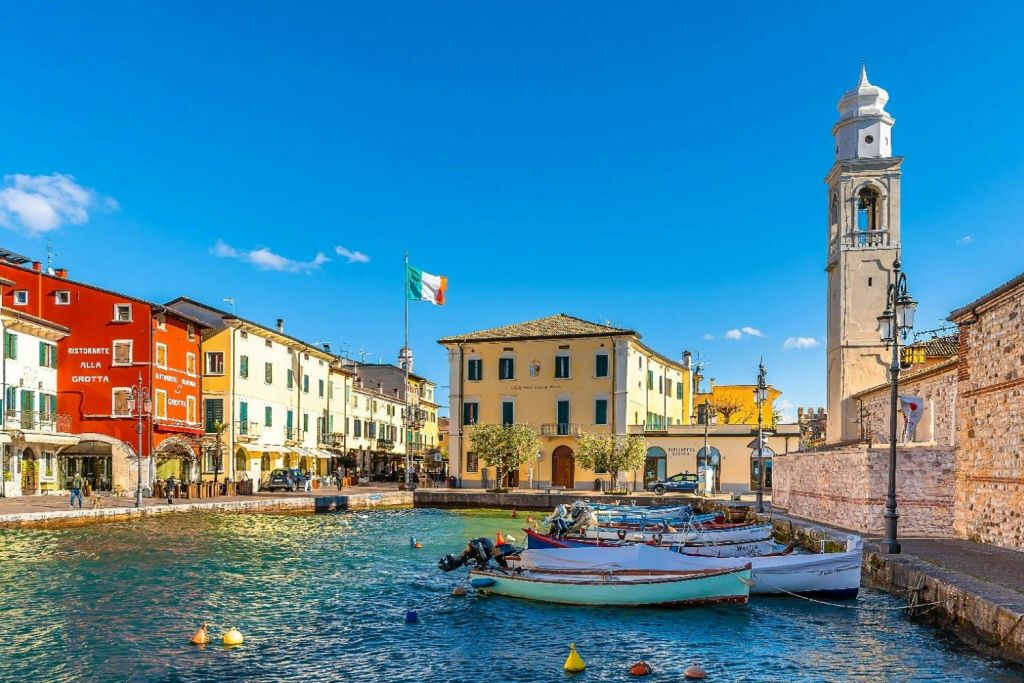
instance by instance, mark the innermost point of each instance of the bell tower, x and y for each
(863, 240)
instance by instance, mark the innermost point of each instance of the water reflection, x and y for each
(322, 598)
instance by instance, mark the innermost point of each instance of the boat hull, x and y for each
(654, 590)
(741, 533)
(536, 541)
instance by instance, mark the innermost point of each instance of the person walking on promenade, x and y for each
(170, 489)
(77, 484)
(338, 476)
(308, 475)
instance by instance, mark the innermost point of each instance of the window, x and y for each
(21, 297)
(321, 388)
(562, 416)
(472, 462)
(601, 411)
(561, 367)
(358, 433)
(289, 421)
(661, 387)
(243, 334)
(506, 368)
(508, 412)
(62, 297)
(161, 322)
(119, 402)
(190, 363)
(10, 345)
(867, 209)
(122, 313)
(214, 362)
(601, 365)
(160, 404)
(650, 379)
(305, 423)
(268, 416)
(47, 355)
(679, 390)
(269, 344)
(268, 373)
(213, 413)
(243, 367)
(190, 417)
(371, 430)
(290, 382)
(243, 417)
(305, 384)
(161, 355)
(668, 387)
(191, 332)
(264, 462)
(122, 352)
(470, 413)
(474, 369)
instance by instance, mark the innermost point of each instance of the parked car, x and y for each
(677, 483)
(283, 480)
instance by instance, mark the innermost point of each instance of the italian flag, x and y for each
(420, 286)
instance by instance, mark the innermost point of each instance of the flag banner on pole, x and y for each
(420, 286)
(913, 409)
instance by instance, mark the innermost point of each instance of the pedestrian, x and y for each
(77, 484)
(338, 476)
(309, 480)
(169, 489)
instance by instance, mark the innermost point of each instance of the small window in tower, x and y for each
(869, 282)
(869, 139)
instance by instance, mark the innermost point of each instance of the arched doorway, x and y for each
(656, 465)
(563, 467)
(29, 472)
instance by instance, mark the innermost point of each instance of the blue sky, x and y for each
(657, 165)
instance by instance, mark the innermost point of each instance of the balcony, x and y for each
(247, 430)
(36, 421)
(561, 429)
(866, 239)
(292, 435)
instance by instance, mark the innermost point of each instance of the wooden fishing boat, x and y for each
(536, 541)
(618, 587)
(702, 534)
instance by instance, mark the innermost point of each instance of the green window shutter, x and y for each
(53, 404)
(289, 419)
(268, 373)
(53, 355)
(507, 412)
(290, 382)
(268, 416)
(330, 424)
(601, 411)
(679, 390)
(305, 422)
(243, 411)
(214, 413)
(601, 368)
(243, 366)
(43, 354)
(321, 388)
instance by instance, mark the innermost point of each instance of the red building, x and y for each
(115, 341)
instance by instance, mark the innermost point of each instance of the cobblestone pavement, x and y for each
(988, 563)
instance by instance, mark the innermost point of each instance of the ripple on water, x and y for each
(323, 598)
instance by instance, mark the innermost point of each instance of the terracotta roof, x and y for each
(998, 291)
(947, 365)
(940, 347)
(552, 327)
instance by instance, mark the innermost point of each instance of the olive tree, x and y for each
(611, 453)
(506, 447)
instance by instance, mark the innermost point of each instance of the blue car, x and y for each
(677, 483)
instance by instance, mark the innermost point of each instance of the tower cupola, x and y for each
(864, 129)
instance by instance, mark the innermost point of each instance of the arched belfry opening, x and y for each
(868, 206)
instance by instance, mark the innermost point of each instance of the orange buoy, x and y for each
(418, 545)
(201, 637)
(640, 669)
(695, 672)
(500, 540)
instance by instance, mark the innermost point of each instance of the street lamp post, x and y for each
(139, 403)
(760, 395)
(895, 323)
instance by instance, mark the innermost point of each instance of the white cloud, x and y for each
(264, 259)
(352, 256)
(36, 204)
(800, 343)
(733, 334)
(966, 239)
(709, 337)
(788, 410)
(753, 331)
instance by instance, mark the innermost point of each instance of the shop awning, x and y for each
(48, 438)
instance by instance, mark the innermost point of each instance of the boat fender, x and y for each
(458, 591)
(232, 637)
(417, 545)
(201, 637)
(622, 534)
(695, 672)
(412, 617)
(481, 582)
(499, 540)
(574, 663)
(640, 669)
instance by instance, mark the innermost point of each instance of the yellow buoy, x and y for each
(232, 637)
(201, 637)
(574, 663)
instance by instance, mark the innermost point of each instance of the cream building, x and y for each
(863, 240)
(563, 376)
(272, 390)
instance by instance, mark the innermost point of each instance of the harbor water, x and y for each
(324, 597)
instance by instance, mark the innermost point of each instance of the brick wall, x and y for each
(938, 388)
(846, 487)
(990, 422)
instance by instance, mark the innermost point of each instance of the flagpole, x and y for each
(405, 362)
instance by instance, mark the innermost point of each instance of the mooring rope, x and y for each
(868, 608)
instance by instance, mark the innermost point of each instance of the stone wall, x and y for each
(846, 487)
(937, 386)
(990, 420)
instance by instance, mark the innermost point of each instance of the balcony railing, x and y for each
(866, 239)
(292, 434)
(36, 420)
(247, 430)
(561, 429)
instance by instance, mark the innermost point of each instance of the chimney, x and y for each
(62, 273)
(280, 325)
(37, 266)
(686, 359)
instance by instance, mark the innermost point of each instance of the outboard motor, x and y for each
(478, 551)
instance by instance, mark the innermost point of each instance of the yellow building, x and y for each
(734, 404)
(563, 376)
